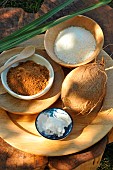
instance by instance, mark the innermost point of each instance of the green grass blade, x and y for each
(44, 27)
(38, 21)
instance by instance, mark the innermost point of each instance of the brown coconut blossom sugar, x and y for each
(28, 78)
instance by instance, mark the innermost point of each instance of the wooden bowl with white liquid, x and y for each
(74, 42)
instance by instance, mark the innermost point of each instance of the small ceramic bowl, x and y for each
(37, 59)
(54, 124)
(78, 21)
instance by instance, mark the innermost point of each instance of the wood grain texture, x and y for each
(19, 106)
(11, 158)
(22, 134)
(87, 159)
(14, 159)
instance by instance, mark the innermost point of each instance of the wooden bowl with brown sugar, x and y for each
(74, 42)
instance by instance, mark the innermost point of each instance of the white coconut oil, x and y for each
(53, 125)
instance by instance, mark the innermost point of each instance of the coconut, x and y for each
(84, 87)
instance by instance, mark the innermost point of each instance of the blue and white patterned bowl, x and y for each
(54, 123)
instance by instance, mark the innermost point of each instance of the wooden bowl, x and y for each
(77, 21)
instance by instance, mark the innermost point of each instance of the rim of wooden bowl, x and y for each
(80, 21)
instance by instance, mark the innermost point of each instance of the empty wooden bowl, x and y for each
(79, 22)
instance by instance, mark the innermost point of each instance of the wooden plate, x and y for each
(19, 131)
(18, 106)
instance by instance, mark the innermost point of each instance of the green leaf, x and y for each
(106, 1)
(38, 21)
(33, 31)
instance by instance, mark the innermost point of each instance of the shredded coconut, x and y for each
(74, 45)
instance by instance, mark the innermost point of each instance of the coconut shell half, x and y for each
(84, 88)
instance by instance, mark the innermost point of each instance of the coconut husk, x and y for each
(84, 87)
